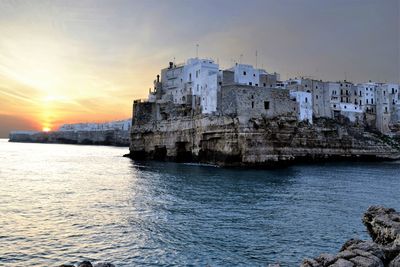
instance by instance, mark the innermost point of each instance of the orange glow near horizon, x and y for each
(46, 129)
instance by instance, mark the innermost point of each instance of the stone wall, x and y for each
(249, 101)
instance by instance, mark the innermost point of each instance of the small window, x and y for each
(345, 107)
(372, 101)
(386, 109)
(316, 87)
(266, 105)
(306, 85)
(316, 96)
(252, 96)
(306, 100)
(367, 101)
(250, 83)
(256, 84)
(264, 84)
(392, 90)
(254, 75)
(244, 73)
(252, 104)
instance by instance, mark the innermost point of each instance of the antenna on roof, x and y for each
(256, 58)
(197, 50)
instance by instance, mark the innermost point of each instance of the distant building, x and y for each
(123, 125)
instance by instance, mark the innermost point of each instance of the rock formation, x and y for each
(383, 225)
(236, 141)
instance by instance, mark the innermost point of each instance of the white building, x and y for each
(123, 125)
(305, 112)
(197, 77)
(247, 74)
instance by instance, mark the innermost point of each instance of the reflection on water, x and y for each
(65, 203)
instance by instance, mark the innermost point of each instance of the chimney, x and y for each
(158, 78)
(171, 64)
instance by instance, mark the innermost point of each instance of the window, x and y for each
(264, 84)
(252, 104)
(372, 101)
(252, 96)
(254, 75)
(306, 100)
(360, 102)
(345, 107)
(392, 90)
(250, 83)
(244, 73)
(385, 109)
(316, 87)
(360, 93)
(306, 85)
(266, 105)
(316, 96)
(256, 84)
(367, 101)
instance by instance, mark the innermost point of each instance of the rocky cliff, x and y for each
(383, 225)
(257, 142)
(106, 137)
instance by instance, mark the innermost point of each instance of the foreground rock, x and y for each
(383, 225)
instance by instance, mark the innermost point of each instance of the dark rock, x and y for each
(342, 263)
(395, 262)
(85, 264)
(383, 225)
(104, 264)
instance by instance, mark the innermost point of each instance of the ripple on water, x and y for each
(66, 203)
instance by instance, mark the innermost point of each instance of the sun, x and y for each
(46, 129)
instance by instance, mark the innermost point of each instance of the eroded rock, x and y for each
(383, 225)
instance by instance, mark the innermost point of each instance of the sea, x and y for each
(62, 204)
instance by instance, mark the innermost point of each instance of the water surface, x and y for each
(66, 203)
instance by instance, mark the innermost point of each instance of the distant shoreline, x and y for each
(104, 138)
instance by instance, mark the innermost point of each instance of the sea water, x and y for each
(68, 203)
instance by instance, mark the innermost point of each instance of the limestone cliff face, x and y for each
(238, 141)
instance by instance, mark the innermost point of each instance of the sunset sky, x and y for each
(72, 61)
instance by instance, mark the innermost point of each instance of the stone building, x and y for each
(198, 86)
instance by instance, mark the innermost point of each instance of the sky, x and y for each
(87, 60)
